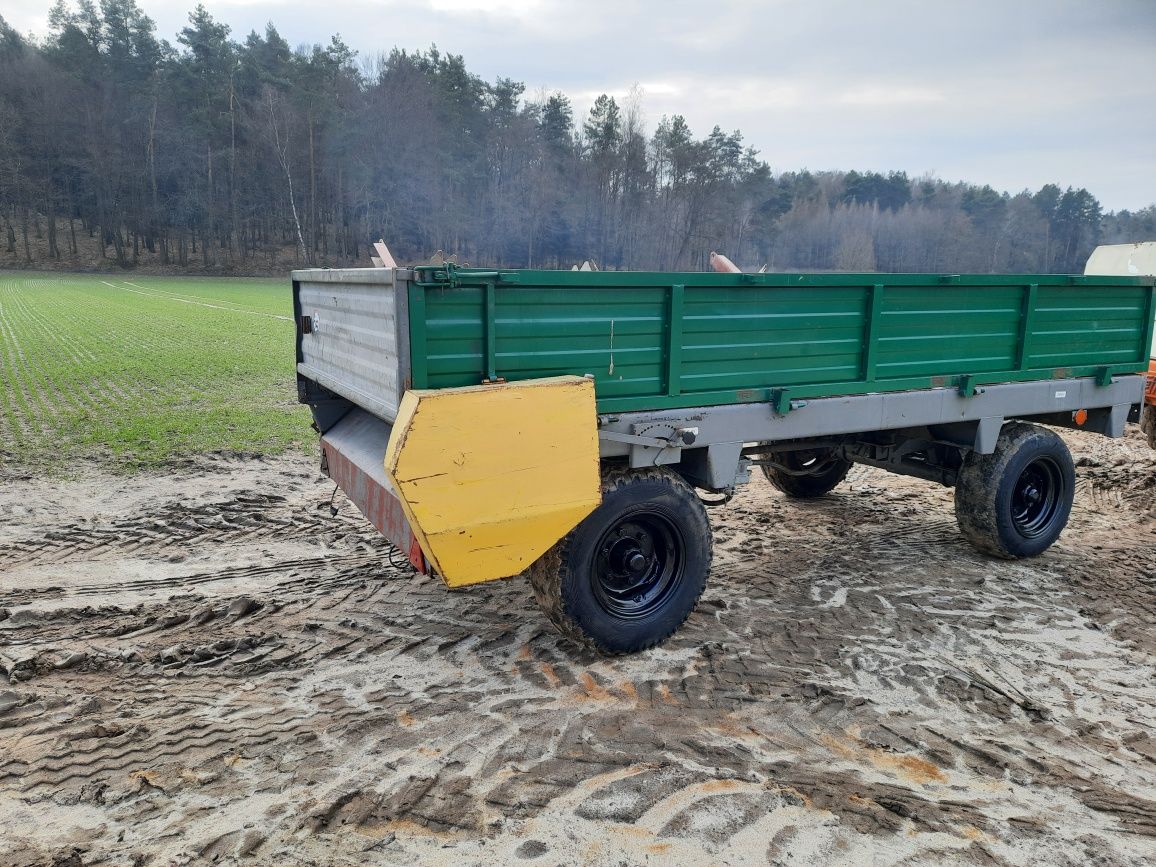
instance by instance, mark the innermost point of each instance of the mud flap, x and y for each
(491, 476)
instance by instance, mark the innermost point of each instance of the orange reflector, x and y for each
(1080, 416)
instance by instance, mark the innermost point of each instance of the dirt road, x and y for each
(205, 665)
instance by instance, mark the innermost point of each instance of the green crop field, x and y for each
(135, 371)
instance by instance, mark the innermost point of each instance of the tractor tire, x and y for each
(795, 481)
(1148, 423)
(1015, 502)
(631, 573)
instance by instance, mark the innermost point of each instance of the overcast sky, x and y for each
(1015, 93)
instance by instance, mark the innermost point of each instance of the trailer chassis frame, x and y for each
(712, 445)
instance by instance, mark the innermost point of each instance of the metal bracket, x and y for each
(780, 401)
(987, 432)
(1103, 376)
(967, 386)
(452, 275)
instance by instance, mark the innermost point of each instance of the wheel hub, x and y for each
(1036, 497)
(639, 562)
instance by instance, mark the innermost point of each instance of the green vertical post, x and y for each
(418, 351)
(489, 330)
(1027, 315)
(674, 340)
(874, 314)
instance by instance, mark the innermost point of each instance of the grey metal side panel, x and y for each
(355, 346)
(353, 452)
(362, 439)
(834, 416)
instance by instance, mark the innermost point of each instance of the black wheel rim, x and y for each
(1037, 497)
(638, 565)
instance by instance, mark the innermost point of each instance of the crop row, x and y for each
(144, 370)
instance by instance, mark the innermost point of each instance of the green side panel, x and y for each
(740, 337)
(615, 333)
(744, 337)
(1073, 327)
(944, 330)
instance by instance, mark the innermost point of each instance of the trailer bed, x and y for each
(658, 341)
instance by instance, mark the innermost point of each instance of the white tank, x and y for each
(1124, 260)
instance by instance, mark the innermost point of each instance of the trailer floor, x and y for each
(206, 665)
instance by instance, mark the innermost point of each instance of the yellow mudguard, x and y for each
(491, 476)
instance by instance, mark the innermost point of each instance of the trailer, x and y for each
(574, 426)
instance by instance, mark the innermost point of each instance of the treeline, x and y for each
(216, 154)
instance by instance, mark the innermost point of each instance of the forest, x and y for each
(119, 149)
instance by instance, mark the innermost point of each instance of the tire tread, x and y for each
(978, 483)
(808, 487)
(549, 573)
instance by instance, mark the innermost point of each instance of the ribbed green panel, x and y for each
(743, 336)
(749, 337)
(1074, 327)
(944, 330)
(454, 338)
(614, 333)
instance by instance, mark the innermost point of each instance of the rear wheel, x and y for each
(806, 474)
(1016, 501)
(630, 574)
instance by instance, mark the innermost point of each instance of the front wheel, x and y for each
(630, 574)
(1016, 501)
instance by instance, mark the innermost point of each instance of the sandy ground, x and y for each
(205, 665)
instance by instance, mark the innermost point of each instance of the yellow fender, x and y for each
(491, 476)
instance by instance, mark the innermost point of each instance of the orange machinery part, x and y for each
(1150, 391)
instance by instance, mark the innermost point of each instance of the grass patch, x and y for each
(145, 371)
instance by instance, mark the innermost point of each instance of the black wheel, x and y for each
(1016, 501)
(630, 574)
(806, 474)
(1148, 423)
